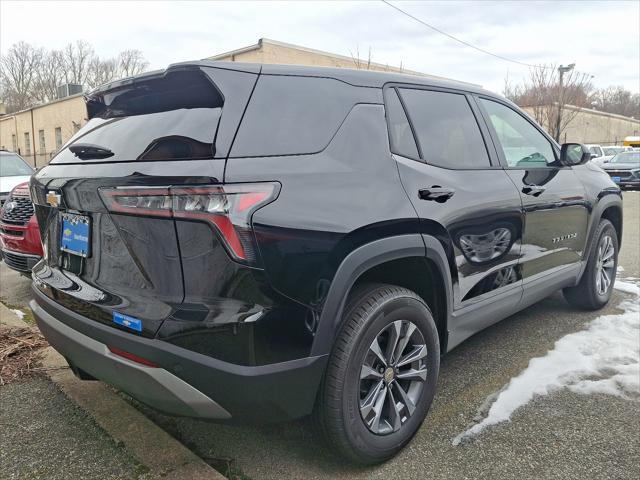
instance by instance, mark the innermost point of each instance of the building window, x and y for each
(43, 147)
(14, 142)
(58, 138)
(27, 143)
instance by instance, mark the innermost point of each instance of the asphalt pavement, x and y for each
(45, 436)
(562, 435)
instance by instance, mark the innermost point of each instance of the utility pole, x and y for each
(562, 69)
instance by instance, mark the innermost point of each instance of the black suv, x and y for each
(245, 242)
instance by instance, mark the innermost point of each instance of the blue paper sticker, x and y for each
(127, 321)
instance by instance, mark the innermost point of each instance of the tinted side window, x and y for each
(400, 134)
(290, 115)
(446, 129)
(523, 145)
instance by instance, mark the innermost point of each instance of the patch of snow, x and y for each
(603, 358)
(19, 313)
(627, 287)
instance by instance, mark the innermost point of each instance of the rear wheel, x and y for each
(596, 285)
(381, 376)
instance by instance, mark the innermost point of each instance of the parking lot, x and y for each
(560, 435)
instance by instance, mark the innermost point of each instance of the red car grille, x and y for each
(20, 213)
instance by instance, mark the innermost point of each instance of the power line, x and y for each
(462, 41)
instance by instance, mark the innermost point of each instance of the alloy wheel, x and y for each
(392, 377)
(605, 264)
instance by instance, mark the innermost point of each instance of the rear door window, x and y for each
(446, 129)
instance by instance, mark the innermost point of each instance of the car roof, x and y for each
(361, 78)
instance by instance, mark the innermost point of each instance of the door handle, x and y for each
(437, 193)
(534, 190)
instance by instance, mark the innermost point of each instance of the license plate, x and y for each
(76, 230)
(616, 179)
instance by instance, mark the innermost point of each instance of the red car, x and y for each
(20, 244)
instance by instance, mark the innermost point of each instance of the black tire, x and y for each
(337, 414)
(586, 294)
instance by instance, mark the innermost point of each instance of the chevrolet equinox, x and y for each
(244, 242)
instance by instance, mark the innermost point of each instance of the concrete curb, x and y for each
(149, 444)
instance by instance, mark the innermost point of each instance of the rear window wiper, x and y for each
(87, 151)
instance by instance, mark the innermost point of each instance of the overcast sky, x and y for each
(602, 38)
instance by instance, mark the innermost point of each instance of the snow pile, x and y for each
(604, 358)
(19, 313)
(627, 287)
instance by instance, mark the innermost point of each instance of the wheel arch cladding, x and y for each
(400, 260)
(609, 207)
(613, 213)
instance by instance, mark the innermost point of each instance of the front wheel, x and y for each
(381, 376)
(596, 285)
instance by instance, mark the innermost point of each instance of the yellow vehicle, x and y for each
(631, 142)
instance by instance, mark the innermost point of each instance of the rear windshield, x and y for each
(171, 118)
(11, 165)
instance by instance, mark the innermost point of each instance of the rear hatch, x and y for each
(111, 242)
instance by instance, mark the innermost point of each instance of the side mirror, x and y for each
(574, 154)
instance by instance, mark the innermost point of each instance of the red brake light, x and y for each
(132, 357)
(227, 208)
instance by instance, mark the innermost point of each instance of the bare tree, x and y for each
(102, 71)
(617, 100)
(77, 61)
(360, 64)
(547, 97)
(50, 75)
(18, 75)
(131, 62)
(31, 75)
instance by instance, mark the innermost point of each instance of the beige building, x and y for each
(38, 132)
(272, 51)
(595, 127)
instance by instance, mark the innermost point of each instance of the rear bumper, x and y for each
(627, 181)
(185, 383)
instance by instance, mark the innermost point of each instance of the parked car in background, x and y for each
(245, 242)
(13, 170)
(610, 151)
(595, 150)
(600, 161)
(624, 169)
(20, 245)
